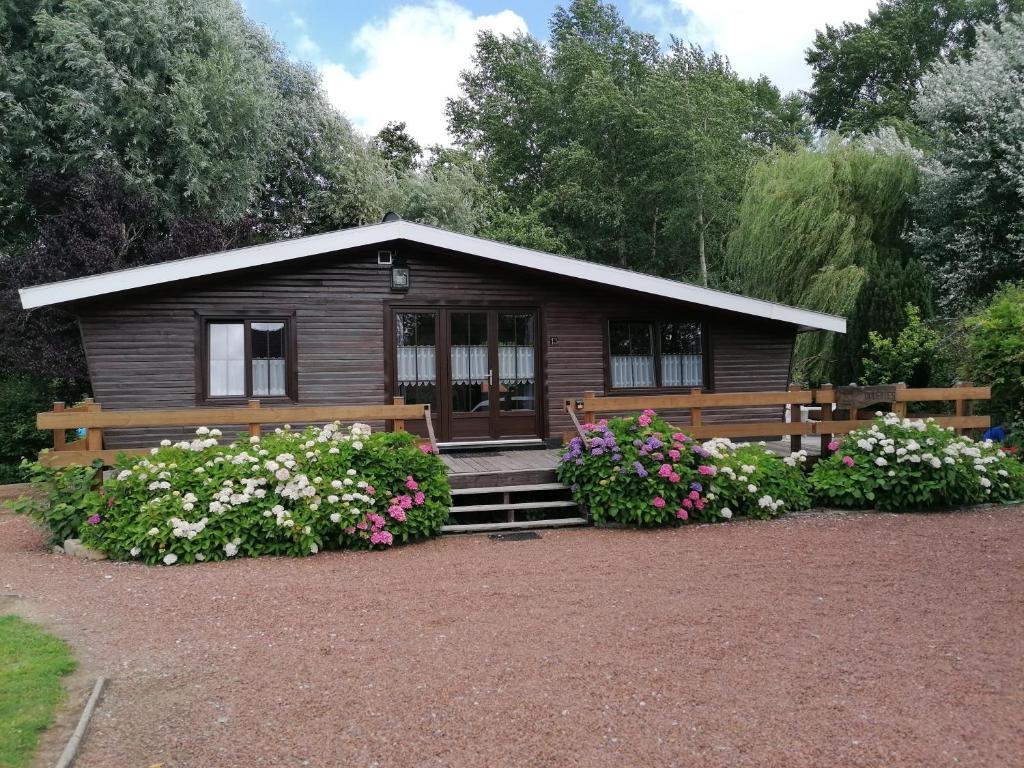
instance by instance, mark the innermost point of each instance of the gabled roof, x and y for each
(287, 250)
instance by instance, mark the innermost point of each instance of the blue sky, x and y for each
(387, 60)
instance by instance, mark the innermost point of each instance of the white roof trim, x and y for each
(286, 250)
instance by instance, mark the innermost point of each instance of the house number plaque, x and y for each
(861, 397)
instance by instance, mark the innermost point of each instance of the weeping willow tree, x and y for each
(823, 228)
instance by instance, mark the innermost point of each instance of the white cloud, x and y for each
(412, 63)
(758, 36)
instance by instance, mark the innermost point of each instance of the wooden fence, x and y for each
(91, 416)
(830, 420)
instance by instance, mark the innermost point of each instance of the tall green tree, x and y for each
(970, 211)
(192, 104)
(866, 75)
(623, 153)
(825, 229)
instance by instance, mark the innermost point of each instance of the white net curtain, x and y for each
(418, 365)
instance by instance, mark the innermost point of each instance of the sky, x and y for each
(385, 60)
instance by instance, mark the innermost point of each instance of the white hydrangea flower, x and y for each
(881, 462)
(135, 551)
(170, 558)
(751, 488)
(726, 513)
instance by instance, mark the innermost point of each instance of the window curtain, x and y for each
(227, 359)
(632, 370)
(469, 364)
(682, 370)
(515, 364)
(417, 365)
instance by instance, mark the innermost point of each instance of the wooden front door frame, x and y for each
(441, 310)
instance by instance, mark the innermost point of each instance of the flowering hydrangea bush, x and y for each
(288, 493)
(902, 464)
(640, 470)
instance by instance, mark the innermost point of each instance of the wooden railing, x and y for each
(91, 416)
(591, 406)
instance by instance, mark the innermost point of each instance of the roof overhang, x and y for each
(356, 237)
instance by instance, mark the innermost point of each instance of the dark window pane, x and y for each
(682, 364)
(632, 354)
(416, 353)
(268, 359)
(516, 360)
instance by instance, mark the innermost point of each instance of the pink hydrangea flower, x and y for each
(381, 537)
(694, 495)
(426, 447)
(705, 469)
(674, 477)
(350, 530)
(648, 412)
(848, 461)
(643, 420)
(93, 519)
(419, 498)
(362, 525)
(411, 484)
(674, 454)
(370, 490)
(682, 514)
(833, 446)
(687, 503)
(397, 513)
(664, 470)
(405, 502)
(699, 503)
(659, 502)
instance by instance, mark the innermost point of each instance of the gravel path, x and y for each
(861, 640)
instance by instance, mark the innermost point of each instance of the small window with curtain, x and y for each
(659, 354)
(247, 358)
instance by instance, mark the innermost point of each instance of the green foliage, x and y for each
(32, 664)
(396, 146)
(21, 399)
(603, 146)
(639, 470)
(901, 358)
(290, 493)
(995, 351)
(902, 464)
(62, 499)
(822, 229)
(970, 211)
(866, 75)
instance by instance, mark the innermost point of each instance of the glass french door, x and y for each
(478, 369)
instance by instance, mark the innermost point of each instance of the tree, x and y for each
(609, 148)
(995, 351)
(867, 75)
(970, 210)
(191, 103)
(903, 357)
(824, 229)
(396, 146)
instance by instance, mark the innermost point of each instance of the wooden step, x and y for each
(510, 489)
(460, 480)
(563, 522)
(519, 505)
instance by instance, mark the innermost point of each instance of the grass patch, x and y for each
(32, 664)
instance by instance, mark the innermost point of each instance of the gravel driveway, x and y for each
(860, 640)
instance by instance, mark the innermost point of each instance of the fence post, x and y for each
(398, 425)
(794, 410)
(59, 441)
(900, 407)
(93, 435)
(588, 416)
(964, 407)
(825, 414)
(254, 426)
(696, 412)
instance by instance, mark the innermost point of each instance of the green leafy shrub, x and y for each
(289, 493)
(904, 357)
(639, 470)
(21, 398)
(62, 500)
(903, 464)
(995, 351)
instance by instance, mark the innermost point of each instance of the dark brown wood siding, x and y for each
(142, 346)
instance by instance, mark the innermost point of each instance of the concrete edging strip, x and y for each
(67, 757)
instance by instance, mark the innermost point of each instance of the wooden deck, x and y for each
(501, 461)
